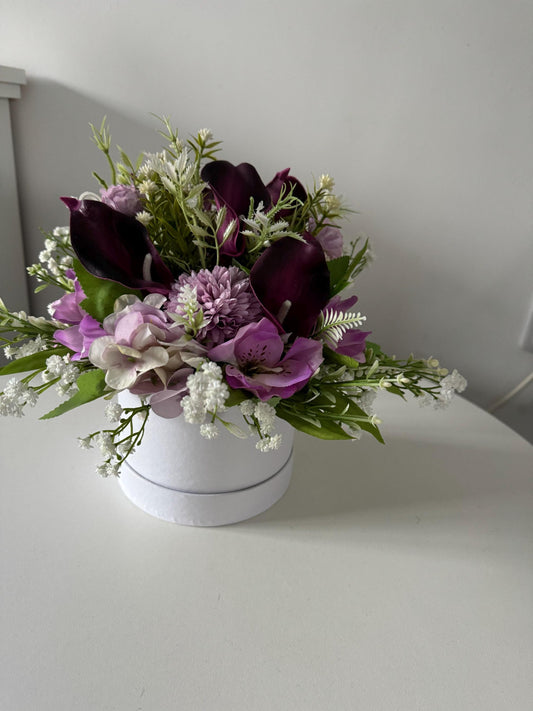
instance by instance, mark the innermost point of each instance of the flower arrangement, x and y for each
(191, 283)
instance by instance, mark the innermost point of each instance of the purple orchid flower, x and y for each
(256, 361)
(115, 246)
(233, 186)
(291, 280)
(83, 329)
(353, 344)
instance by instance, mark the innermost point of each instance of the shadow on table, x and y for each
(335, 480)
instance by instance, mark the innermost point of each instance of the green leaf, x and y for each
(334, 357)
(125, 159)
(396, 391)
(356, 411)
(327, 430)
(235, 397)
(100, 180)
(101, 293)
(339, 272)
(373, 430)
(376, 350)
(91, 386)
(36, 361)
(357, 258)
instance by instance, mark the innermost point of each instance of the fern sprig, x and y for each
(332, 324)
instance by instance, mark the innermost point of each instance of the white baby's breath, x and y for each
(113, 411)
(207, 393)
(209, 430)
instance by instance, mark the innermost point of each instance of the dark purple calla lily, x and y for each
(291, 280)
(233, 186)
(115, 246)
(283, 182)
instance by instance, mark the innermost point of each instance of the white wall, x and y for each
(421, 109)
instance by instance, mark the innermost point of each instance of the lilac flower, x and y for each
(83, 328)
(226, 299)
(124, 198)
(114, 246)
(256, 361)
(291, 280)
(330, 239)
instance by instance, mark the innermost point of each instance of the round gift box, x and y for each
(177, 475)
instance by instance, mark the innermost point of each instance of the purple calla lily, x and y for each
(291, 280)
(236, 184)
(233, 186)
(115, 246)
(283, 182)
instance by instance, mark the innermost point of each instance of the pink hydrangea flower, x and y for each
(167, 401)
(256, 362)
(329, 238)
(124, 198)
(143, 349)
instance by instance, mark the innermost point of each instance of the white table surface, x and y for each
(387, 579)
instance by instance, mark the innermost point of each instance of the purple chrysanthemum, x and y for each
(226, 299)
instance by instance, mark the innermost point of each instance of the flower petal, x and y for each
(233, 186)
(71, 338)
(114, 246)
(283, 182)
(67, 309)
(258, 345)
(305, 350)
(167, 403)
(353, 344)
(236, 184)
(291, 280)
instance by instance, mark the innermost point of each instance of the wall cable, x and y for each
(521, 385)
